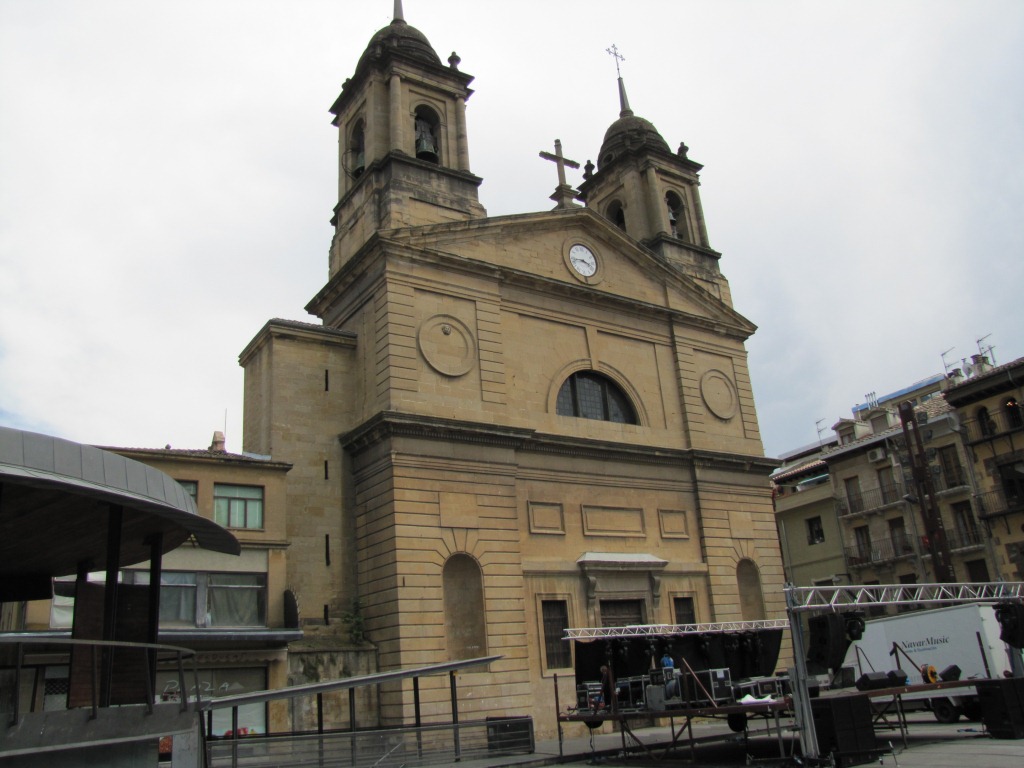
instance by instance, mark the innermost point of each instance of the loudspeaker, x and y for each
(1011, 624)
(952, 672)
(844, 727)
(1002, 707)
(897, 677)
(827, 645)
(873, 681)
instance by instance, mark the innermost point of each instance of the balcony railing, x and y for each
(111, 681)
(880, 551)
(999, 422)
(868, 501)
(965, 539)
(950, 481)
(997, 503)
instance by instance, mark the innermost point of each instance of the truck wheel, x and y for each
(945, 711)
(737, 722)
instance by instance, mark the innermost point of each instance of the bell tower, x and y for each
(402, 141)
(653, 195)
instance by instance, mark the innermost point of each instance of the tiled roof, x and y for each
(788, 472)
(996, 371)
(935, 406)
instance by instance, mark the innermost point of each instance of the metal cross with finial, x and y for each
(614, 52)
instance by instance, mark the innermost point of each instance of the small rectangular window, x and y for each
(238, 506)
(236, 600)
(177, 598)
(191, 488)
(555, 615)
(815, 531)
(684, 610)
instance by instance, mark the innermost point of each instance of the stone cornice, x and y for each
(414, 244)
(389, 424)
(293, 329)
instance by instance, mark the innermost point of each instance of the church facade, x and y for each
(505, 426)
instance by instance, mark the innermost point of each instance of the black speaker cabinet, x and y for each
(845, 729)
(827, 644)
(873, 681)
(952, 672)
(897, 677)
(1002, 707)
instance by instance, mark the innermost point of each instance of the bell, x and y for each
(425, 149)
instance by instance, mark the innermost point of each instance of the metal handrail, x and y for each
(22, 639)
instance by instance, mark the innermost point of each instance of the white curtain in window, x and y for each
(178, 598)
(234, 600)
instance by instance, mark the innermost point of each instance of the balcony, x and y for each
(878, 552)
(966, 539)
(950, 481)
(870, 500)
(998, 422)
(999, 503)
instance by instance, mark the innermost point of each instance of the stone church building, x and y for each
(506, 426)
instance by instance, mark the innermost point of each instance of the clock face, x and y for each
(583, 260)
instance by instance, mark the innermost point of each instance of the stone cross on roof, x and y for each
(564, 194)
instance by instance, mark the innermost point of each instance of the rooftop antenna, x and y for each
(821, 430)
(946, 365)
(987, 350)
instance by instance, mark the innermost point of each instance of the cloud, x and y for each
(169, 172)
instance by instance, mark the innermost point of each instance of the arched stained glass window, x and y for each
(589, 395)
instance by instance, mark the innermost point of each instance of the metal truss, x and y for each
(823, 599)
(662, 630)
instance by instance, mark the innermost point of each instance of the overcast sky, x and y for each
(168, 172)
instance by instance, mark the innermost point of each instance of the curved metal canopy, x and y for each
(55, 498)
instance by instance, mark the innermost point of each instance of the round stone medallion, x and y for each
(447, 345)
(719, 394)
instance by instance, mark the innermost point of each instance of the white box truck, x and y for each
(964, 636)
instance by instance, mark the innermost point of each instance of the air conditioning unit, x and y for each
(876, 455)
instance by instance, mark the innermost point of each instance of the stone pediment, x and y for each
(536, 247)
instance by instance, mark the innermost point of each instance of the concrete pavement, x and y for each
(928, 745)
